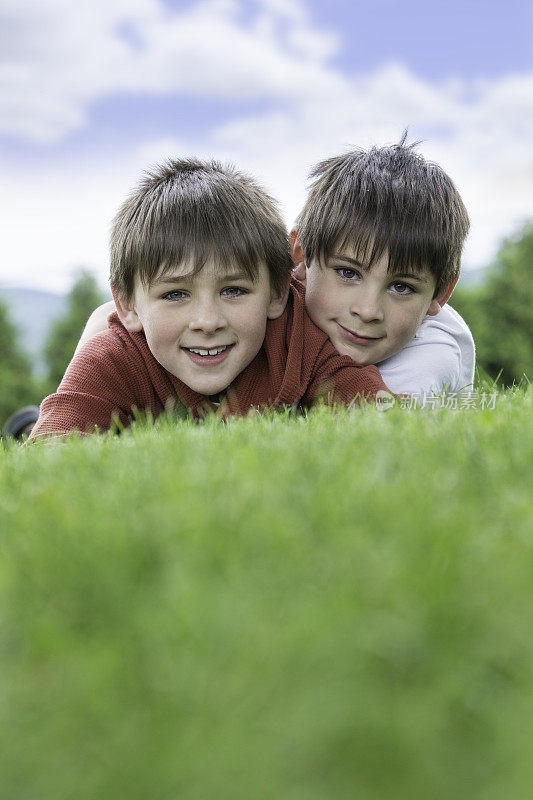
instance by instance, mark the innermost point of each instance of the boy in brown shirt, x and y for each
(205, 313)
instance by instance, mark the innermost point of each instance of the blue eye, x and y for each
(233, 291)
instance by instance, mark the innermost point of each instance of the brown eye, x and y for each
(402, 288)
(346, 273)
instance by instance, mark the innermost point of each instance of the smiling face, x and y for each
(368, 313)
(204, 328)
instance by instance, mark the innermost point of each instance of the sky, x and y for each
(93, 94)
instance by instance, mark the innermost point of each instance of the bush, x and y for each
(500, 313)
(19, 387)
(65, 332)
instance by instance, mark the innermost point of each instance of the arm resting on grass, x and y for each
(338, 379)
(307, 365)
(102, 382)
(334, 378)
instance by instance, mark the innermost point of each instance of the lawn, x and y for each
(320, 608)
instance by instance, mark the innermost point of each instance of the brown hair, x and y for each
(189, 210)
(386, 198)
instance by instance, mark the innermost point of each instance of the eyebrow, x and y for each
(354, 261)
(177, 279)
(413, 276)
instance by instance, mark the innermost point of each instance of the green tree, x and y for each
(18, 386)
(500, 312)
(65, 331)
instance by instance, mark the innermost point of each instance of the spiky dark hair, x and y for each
(387, 198)
(188, 210)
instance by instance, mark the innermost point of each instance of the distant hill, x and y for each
(32, 311)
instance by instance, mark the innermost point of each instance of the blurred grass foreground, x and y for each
(338, 606)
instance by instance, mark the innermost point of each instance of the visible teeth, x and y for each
(214, 352)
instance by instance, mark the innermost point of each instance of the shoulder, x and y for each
(111, 359)
(440, 355)
(448, 330)
(294, 332)
(448, 323)
(297, 288)
(300, 322)
(101, 349)
(286, 331)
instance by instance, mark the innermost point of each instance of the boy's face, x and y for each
(369, 314)
(204, 328)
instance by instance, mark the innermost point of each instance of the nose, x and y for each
(366, 305)
(207, 316)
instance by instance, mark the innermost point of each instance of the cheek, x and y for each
(407, 324)
(161, 328)
(250, 323)
(319, 299)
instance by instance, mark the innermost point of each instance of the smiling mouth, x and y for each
(357, 337)
(208, 356)
(212, 351)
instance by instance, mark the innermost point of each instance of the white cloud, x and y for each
(57, 219)
(480, 134)
(60, 57)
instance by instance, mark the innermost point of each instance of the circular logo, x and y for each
(384, 400)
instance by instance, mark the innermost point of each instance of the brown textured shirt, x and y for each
(115, 373)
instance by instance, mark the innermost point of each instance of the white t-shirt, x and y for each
(441, 355)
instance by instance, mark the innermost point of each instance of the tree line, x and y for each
(19, 386)
(499, 312)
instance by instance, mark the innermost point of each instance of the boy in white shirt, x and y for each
(378, 245)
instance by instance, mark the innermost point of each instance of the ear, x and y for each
(299, 270)
(296, 248)
(277, 304)
(442, 298)
(126, 312)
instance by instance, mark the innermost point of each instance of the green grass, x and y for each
(330, 607)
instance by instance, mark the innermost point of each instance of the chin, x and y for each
(364, 362)
(208, 390)
(343, 350)
(346, 351)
